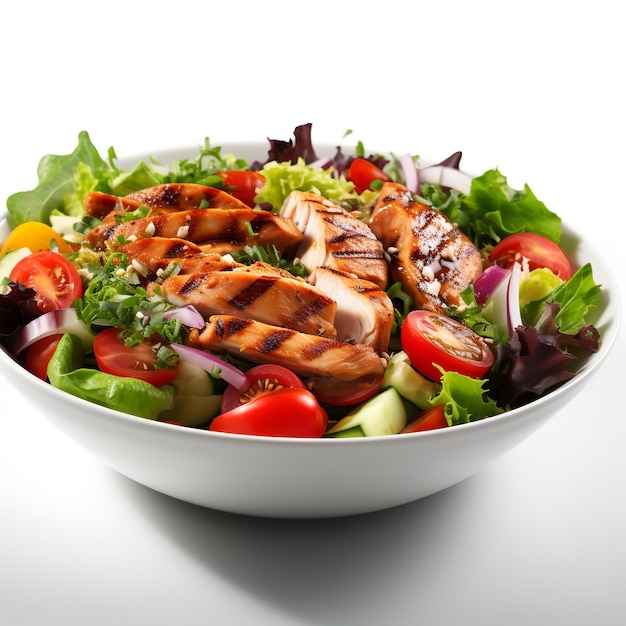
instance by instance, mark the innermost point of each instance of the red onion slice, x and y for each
(188, 315)
(513, 308)
(211, 364)
(488, 282)
(52, 323)
(323, 163)
(446, 177)
(409, 169)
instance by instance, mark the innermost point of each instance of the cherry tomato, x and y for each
(259, 380)
(243, 184)
(430, 419)
(539, 250)
(113, 356)
(282, 413)
(431, 338)
(54, 279)
(339, 393)
(35, 236)
(39, 354)
(363, 173)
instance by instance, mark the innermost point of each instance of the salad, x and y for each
(351, 294)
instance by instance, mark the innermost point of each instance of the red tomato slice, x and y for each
(54, 279)
(113, 356)
(281, 413)
(539, 250)
(431, 338)
(363, 173)
(243, 184)
(430, 419)
(339, 393)
(260, 379)
(39, 354)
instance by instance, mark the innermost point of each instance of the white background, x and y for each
(535, 88)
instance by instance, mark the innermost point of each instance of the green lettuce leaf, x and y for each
(493, 210)
(577, 297)
(129, 395)
(62, 180)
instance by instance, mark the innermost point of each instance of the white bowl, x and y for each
(296, 478)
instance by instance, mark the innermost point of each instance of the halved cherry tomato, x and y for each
(539, 250)
(363, 173)
(243, 184)
(431, 338)
(260, 379)
(282, 413)
(54, 279)
(35, 236)
(430, 419)
(340, 393)
(39, 354)
(113, 356)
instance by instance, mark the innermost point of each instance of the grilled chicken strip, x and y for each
(364, 311)
(217, 230)
(101, 205)
(152, 255)
(184, 197)
(166, 198)
(334, 238)
(258, 293)
(307, 355)
(432, 259)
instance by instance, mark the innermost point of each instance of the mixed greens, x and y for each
(530, 360)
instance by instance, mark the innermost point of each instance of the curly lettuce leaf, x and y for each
(283, 178)
(493, 210)
(465, 399)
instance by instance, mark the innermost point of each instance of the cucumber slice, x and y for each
(384, 414)
(10, 259)
(409, 383)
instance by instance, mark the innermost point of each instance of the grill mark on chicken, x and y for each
(274, 340)
(190, 285)
(307, 355)
(248, 295)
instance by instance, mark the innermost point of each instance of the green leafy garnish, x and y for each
(115, 297)
(402, 304)
(269, 254)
